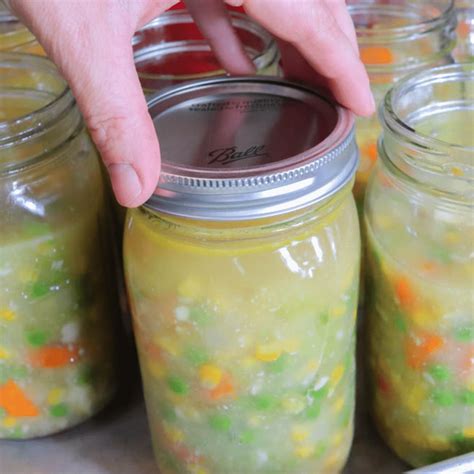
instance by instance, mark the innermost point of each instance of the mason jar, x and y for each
(464, 50)
(420, 227)
(14, 36)
(171, 50)
(57, 300)
(395, 38)
(242, 271)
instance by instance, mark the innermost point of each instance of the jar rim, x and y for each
(277, 181)
(391, 119)
(33, 122)
(174, 17)
(400, 33)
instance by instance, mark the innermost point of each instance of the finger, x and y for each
(344, 21)
(96, 59)
(311, 27)
(214, 22)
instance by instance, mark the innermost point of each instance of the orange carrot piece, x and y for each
(404, 292)
(224, 389)
(418, 354)
(370, 151)
(376, 55)
(51, 357)
(15, 402)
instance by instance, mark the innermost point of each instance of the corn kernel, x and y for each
(299, 433)
(338, 310)
(7, 315)
(336, 375)
(294, 405)
(175, 435)
(55, 396)
(210, 376)
(4, 354)
(156, 369)
(190, 288)
(168, 344)
(338, 405)
(468, 432)
(9, 422)
(304, 451)
(268, 352)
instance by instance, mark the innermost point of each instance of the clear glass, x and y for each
(395, 38)
(245, 333)
(171, 50)
(464, 50)
(57, 298)
(420, 228)
(14, 36)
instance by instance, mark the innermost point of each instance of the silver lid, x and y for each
(246, 148)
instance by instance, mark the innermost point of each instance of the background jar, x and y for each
(420, 226)
(57, 299)
(171, 50)
(14, 36)
(395, 39)
(243, 279)
(464, 50)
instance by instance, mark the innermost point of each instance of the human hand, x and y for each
(90, 41)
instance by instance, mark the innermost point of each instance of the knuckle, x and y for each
(106, 131)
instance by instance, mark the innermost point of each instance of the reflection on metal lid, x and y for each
(244, 148)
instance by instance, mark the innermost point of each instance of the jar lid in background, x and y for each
(247, 148)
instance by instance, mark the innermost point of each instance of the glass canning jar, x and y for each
(242, 271)
(171, 50)
(56, 292)
(464, 50)
(395, 38)
(14, 36)
(420, 227)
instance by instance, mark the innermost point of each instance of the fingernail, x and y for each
(125, 182)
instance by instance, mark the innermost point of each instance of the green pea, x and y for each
(195, 356)
(320, 394)
(320, 450)
(87, 375)
(439, 372)
(220, 422)
(441, 254)
(279, 365)
(443, 398)
(467, 397)
(247, 437)
(177, 385)
(312, 412)
(36, 338)
(35, 229)
(200, 316)
(400, 323)
(17, 433)
(59, 410)
(324, 318)
(465, 334)
(3, 412)
(168, 414)
(39, 289)
(264, 402)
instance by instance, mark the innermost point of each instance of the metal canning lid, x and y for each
(247, 148)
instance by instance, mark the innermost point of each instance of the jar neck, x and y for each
(13, 35)
(224, 231)
(399, 36)
(39, 114)
(171, 49)
(427, 137)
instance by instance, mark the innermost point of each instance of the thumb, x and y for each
(91, 46)
(114, 108)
